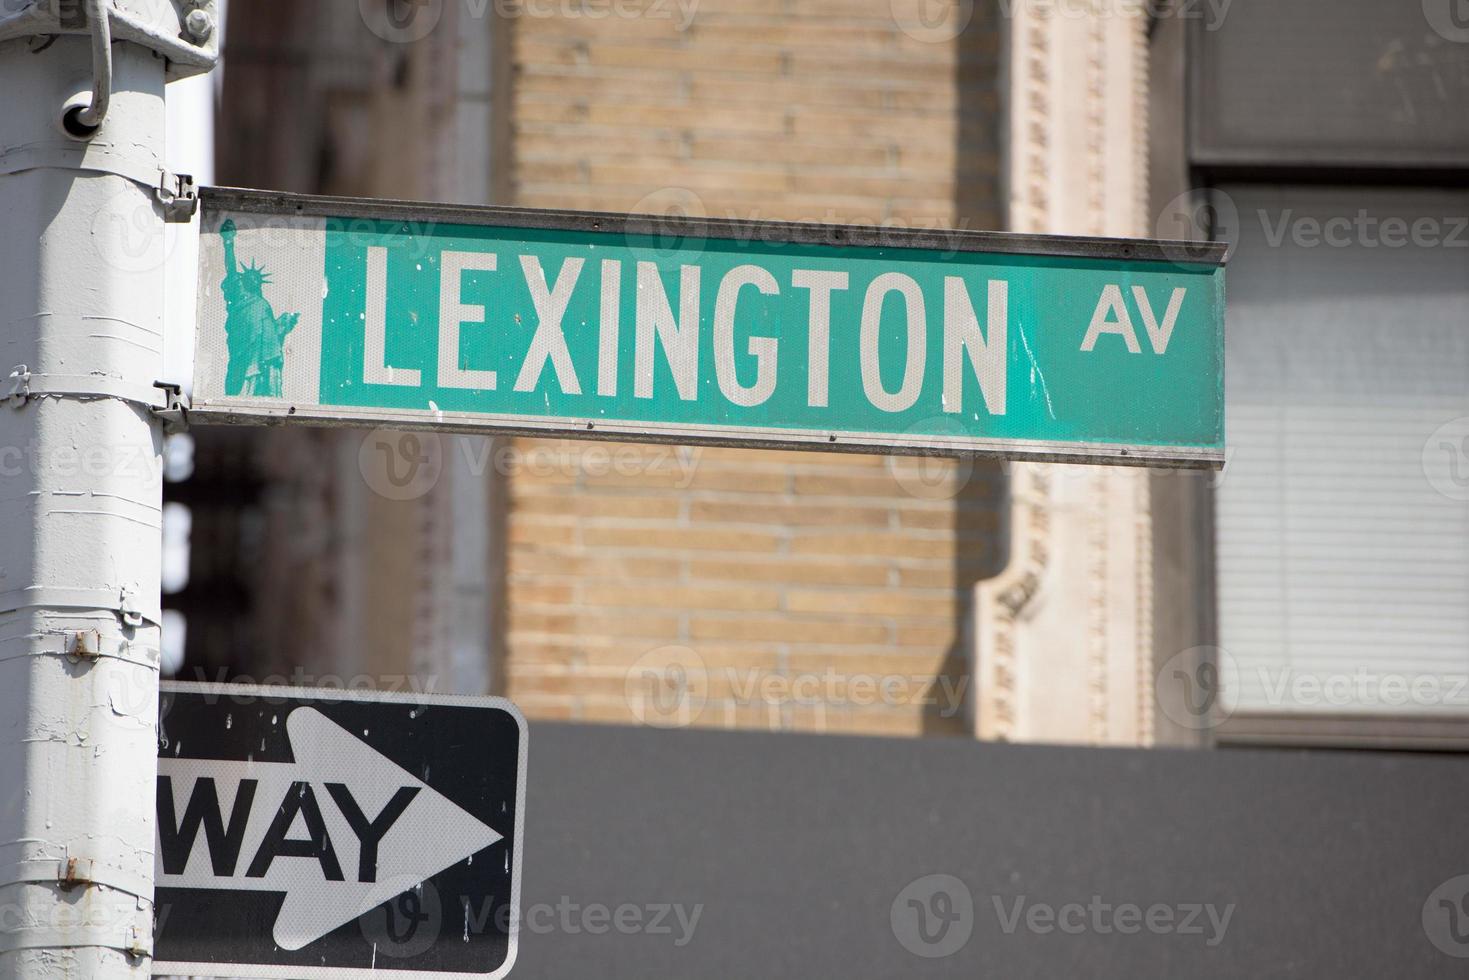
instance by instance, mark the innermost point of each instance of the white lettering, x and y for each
(986, 356)
(549, 342)
(907, 394)
(763, 349)
(611, 323)
(821, 284)
(679, 338)
(375, 369)
(1112, 303)
(1157, 335)
(454, 312)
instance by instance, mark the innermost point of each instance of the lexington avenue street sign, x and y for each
(336, 835)
(640, 327)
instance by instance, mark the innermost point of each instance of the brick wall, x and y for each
(732, 587)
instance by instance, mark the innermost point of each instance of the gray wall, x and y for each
(1330, 82)
(796, 848)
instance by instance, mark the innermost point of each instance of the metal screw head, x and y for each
(200, 25)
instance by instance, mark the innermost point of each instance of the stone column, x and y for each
(1065, 634)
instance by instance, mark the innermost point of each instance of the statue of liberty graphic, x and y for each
(253, 333)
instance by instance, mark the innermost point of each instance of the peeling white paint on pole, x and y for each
(81, 330)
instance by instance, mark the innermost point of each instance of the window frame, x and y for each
(1208, 169)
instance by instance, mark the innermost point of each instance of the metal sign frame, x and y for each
(287, 205)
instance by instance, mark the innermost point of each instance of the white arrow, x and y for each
(339, 790)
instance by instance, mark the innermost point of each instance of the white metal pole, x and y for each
(81, 334)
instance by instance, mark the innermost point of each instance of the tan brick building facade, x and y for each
(765, 589)
(717, 587)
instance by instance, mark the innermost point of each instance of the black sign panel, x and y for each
(337, 834)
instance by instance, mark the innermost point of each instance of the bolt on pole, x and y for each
(83, 199)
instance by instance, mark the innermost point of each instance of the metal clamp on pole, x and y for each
(122, 602)
(88, 646)
(179, 196)
(25, 386)
(175, 411)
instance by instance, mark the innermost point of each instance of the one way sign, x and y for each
(330, 834)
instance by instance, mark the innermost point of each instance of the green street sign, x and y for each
(642, 327)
